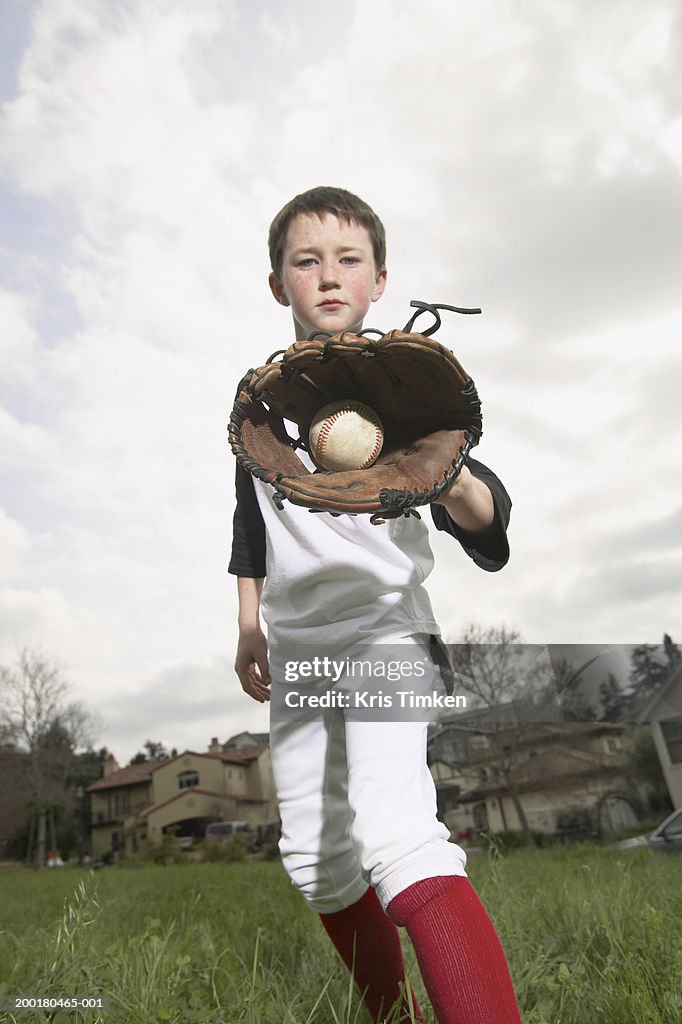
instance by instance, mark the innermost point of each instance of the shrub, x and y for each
(576, 823)
(231, 850)
(508, 839)
(269, 850)
(152, 852)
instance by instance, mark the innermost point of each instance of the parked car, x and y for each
(223, 831)
(667, 837)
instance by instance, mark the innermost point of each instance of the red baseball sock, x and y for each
(369, 945)
(462, 962)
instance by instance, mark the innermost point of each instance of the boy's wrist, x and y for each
(248, 612)
(248, 626)
(460, 491)
(468, 502)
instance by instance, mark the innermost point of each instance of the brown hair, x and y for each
(320, 201)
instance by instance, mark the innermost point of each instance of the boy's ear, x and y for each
(379, 284)
(277, 289)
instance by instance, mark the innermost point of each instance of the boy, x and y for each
(360, 837)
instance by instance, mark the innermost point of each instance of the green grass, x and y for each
(592, 936)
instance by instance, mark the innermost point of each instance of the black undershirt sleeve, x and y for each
(248, 533)
(490, 548)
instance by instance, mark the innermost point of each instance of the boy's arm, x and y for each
(251, 662)
(465, 513)
(247, 563)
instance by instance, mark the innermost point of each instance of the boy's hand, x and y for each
(251, 664)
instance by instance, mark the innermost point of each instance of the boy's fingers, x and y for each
(253, 669)
(258, 690)
(264, 669)
(250, 677)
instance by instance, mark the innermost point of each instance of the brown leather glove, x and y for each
(427, 404)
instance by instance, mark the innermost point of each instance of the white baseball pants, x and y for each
(358, 802)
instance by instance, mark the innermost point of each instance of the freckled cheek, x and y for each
(306, 284)
(300, 292)
(361, 291)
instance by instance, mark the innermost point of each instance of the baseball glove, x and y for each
(427, 404)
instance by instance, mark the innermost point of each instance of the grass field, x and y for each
(592, 936)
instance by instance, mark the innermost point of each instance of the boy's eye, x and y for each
(350, 259)
(307, 261)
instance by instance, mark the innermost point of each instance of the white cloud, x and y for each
(19, 342)
(15, 543)
(20, 442)
(103, 85)
(195, 700)
(30, 616)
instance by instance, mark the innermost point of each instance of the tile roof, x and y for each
(237, 798)
(551, 769)
(237, 756)
(238, 741)
(242, 754)
(133, 775)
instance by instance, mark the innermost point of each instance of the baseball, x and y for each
(345, 435)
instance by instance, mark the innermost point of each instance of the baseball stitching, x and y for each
(329, 422)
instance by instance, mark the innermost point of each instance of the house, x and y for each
(243, 740)
(663, 712)
(182, 794)
(120, 793)
(567, 778)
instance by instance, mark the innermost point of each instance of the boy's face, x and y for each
(328, 275)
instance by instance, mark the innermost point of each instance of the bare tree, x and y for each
(504, 679)
(501, 673)
(37, 718)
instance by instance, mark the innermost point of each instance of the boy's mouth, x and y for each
(330, 304)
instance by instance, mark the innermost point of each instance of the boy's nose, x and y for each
(328, 275)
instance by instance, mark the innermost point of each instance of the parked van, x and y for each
(222, 831)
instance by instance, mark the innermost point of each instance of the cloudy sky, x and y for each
(525, 157)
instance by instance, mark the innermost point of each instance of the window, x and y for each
(675, 826)
(121, 803)
(478, 742)
(188, 779)
(448, 798)
(672, 736)
(453, 750)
